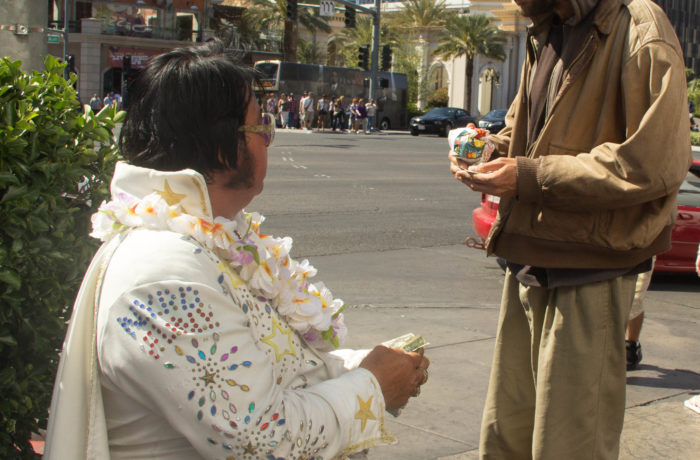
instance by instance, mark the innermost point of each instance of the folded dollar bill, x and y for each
(407, 342)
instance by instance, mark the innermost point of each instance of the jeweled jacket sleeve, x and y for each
(219, 365)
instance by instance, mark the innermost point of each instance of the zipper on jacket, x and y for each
(565, 85)
(569, 78)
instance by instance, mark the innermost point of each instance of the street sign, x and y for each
(53, 38)
(327, 8)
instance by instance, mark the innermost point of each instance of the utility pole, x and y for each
(375, 51)
(64, 32)
(66, 6)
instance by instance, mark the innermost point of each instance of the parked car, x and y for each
(685, 236)
(440, 120)
(494, 121)
(686, 231)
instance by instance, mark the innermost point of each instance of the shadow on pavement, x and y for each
(678, 282)
(681, 379)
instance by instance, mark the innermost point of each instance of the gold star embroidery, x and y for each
(169, 196)
(288, 348)
(365, 412)
(249, 449)
(233, 278)
(208, 378)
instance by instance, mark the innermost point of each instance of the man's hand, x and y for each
(400, 374)
(498, 177)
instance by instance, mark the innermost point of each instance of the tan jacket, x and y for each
(598, 187)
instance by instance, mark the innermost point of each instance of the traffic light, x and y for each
(386, 57)
(363, 57)
(349, 17)
(292, 10)
(126, 64)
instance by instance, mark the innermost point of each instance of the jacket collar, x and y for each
(602, 10)
(186, 188)
(604, 14)
(581, 10)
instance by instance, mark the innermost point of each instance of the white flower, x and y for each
(153, 212)
(104, 227)
(184, 224)
(262, 261)
(303, 269)
(263, 278)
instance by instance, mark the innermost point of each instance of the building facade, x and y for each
(108, 41)
(685, 17)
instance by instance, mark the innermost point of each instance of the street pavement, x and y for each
(384, 223)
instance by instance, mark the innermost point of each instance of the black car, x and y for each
(440, 121)
(494, 121)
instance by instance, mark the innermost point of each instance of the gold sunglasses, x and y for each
(266, 128)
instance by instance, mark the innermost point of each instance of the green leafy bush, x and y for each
(413, 111)
(439, 98)
(48, 146)
(694, 95)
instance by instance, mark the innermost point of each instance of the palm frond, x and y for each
(471, 35)
(420, 13)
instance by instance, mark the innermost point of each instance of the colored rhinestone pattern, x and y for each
(178, 324)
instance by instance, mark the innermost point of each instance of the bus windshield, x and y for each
(268, 70)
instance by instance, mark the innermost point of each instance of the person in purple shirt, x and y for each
(362, 116)
(291, 120)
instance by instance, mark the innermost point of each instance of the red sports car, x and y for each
(684, 238)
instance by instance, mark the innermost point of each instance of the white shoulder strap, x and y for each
(77, 427)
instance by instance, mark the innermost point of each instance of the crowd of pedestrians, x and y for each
(336, 114)
(111, 98)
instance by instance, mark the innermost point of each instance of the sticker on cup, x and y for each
(469, 144)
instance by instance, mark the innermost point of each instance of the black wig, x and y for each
(184, 110)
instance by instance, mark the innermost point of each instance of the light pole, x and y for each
(66, 6)
(376, 31)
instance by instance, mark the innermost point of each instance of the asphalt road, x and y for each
(344, 193)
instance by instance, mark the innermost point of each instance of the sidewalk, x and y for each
(456, 311)
(458, 318)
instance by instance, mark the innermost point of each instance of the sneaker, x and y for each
(634, 354)
(693, 403)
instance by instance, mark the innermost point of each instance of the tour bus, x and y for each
(391, 96)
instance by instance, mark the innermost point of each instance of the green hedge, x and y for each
(414, 111)
(694, 95)
(48, 146)
(439, 98)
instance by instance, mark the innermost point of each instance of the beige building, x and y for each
(495, 82)
(104, 34)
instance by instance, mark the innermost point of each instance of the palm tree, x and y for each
(416, 21)
(270, 15)
(470, 36)
(310, 53)
(349, 40)
(425, 14)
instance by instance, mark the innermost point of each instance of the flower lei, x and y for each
(262, 261)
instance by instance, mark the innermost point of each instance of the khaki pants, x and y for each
(557, 388)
